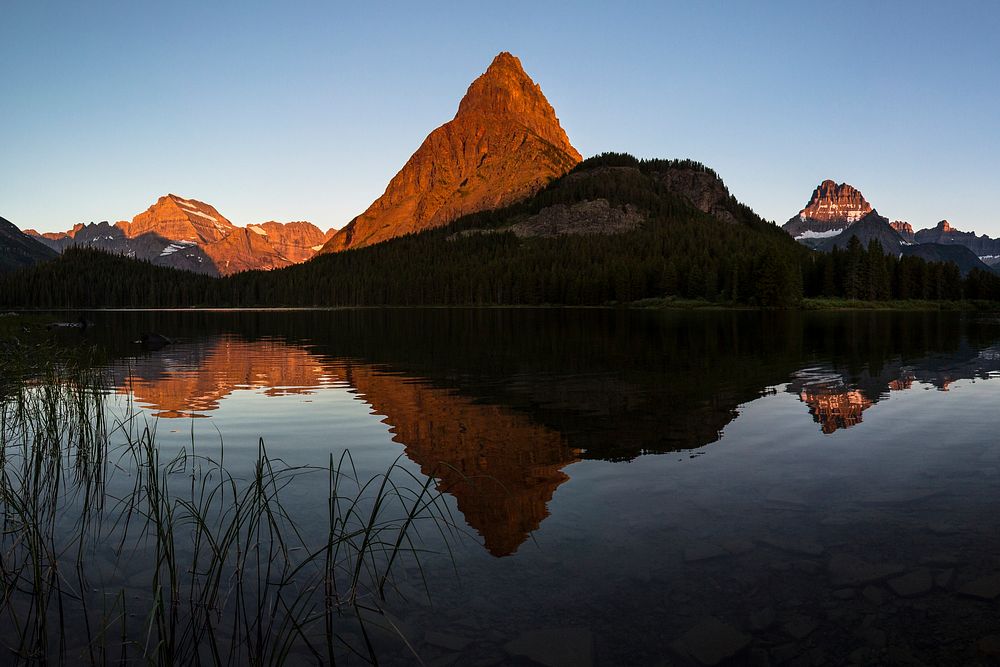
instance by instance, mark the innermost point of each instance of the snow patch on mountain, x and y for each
(813, 234)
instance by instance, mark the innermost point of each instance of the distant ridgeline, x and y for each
(615, 229)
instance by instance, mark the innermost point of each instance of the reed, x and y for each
(115, 551)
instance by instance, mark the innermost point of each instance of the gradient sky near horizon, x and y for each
(305, 110)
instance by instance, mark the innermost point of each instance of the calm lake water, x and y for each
(635, 488)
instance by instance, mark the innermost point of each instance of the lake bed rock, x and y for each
(701, 551)
(800, 627)
(555, 647)
(762, 619)
(984, 588)
(848, 570)
(711, 642)
(912, 584)
(447, 640)
(874, 595)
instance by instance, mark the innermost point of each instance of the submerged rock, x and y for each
(989, 646)
(555, 647)
(154, 340)
(703, 551)
(912, 584)
(984, 588)
(847, 570)
(762, 619)
(800, 627)
(447, 640)
(711, 642)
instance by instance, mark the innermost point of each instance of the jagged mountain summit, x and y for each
(192, 235)
(18, 249)
(504, 144)
(831, 209)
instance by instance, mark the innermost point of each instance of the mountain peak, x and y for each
(176, 218)
(832, 208)
(831, 201)
(505, 89)
(504, 143)
(945, 226)
(506, 60)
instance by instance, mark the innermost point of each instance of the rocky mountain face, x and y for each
(504, 144)
(985, 248)
(17, 249)
(704, 189)
(831, 209)
(904, 229)
(295, 241)
(192, 235)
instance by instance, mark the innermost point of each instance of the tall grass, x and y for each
(114, 552)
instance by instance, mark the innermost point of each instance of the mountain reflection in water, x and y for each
(496, 404)
(501, 467)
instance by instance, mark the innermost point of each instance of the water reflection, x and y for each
(501, 466)
(191, 379)
(837, 398)
(495, 414)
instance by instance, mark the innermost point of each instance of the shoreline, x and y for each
(809, 304)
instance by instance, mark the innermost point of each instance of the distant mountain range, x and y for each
(835, 212)
(874, 227)
(192, 235)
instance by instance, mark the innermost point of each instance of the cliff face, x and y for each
(504, 144)
(831, 209)
(703, 189)
(904, 229)
(296, 241)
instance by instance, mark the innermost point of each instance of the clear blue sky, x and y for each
(304, 111)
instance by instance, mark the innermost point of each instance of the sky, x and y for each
(305, 110)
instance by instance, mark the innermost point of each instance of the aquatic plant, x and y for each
(115, 550)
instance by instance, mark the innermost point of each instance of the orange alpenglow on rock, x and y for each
(176, 218)
(835, 409)
(504, 144)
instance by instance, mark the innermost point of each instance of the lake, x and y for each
(623, 487)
